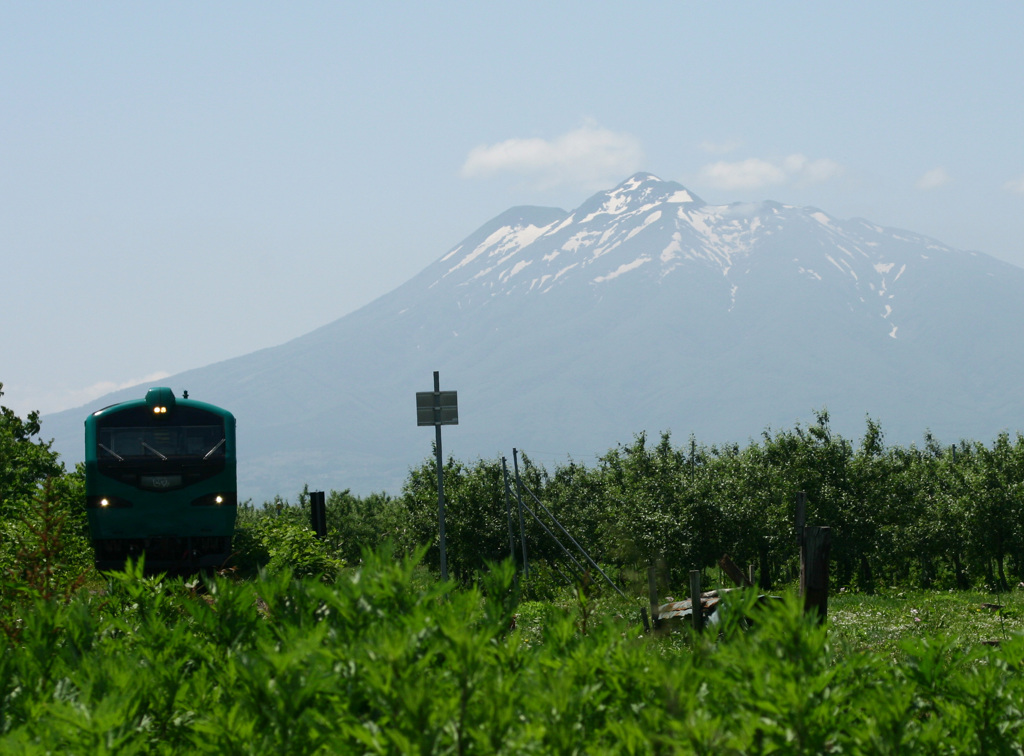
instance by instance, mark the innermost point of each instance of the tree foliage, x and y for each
(926, 515)
(44, 545)
(25, 460)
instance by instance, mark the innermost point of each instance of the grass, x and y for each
(880, 622)
(857, 622)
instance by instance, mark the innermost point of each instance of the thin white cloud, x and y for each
(589, 156)
(933, 179)
(48, 401)
(1015, 185)
(751, 173)
(721, 148)
(806, 171)
(105, 387)
(755, 173)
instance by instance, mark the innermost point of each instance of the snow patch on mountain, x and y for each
(503, 240)
(673, 250)
(681, 197)
(822, 219)
(623, 269)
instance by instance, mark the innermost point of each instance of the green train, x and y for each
(160, 480)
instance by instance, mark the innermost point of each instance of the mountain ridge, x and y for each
(644, 309)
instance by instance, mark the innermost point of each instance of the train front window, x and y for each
(162, 451)
(204, 442)
(137, 436)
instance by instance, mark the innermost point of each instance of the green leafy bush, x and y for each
(356, 523)
(275, 540)
(380, 661)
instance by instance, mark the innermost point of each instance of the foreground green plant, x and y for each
(381, 661)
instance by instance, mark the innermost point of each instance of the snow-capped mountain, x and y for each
(645, 309)
(647, 230)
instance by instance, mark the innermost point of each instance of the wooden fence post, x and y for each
(735, 573)
(814, 552)
(801, 516)
(652, 594)
(695, 605)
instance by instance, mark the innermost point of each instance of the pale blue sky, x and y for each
(182, 183)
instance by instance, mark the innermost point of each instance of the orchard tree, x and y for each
(643, 485)
(476, 525)
(26, 461)
(44, 542)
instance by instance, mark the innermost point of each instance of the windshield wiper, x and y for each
(112, 453)
(157, 453)
(215, 448)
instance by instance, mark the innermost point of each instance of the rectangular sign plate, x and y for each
(441, 408)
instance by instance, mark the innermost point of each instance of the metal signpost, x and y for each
(438, 408)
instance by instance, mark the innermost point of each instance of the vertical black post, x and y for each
(652, 595)
(519, 498)
(440, 467)
(801, 516)
(508, 511)
(318, 513)
(814, 555)
(695, 603)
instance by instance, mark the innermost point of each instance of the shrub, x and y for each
(274, 541)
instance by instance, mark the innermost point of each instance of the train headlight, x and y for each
(215, 500)
(159, 410)
(107, 502)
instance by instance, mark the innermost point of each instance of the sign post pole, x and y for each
(440, 477)
(438, 408)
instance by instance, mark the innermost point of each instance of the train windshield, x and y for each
(137, 435)
(197, 441)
